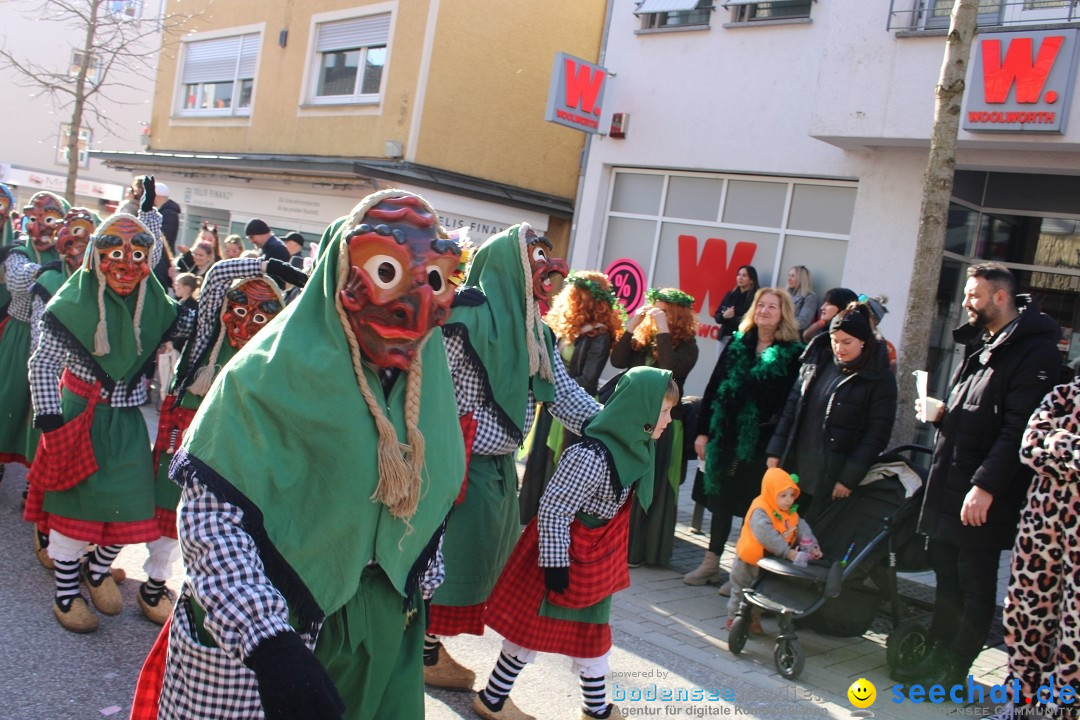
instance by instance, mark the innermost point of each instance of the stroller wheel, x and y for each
(740, 629)
(789, 657)
(907, 645)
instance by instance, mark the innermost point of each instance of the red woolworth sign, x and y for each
(1021, 81)
(576, 93)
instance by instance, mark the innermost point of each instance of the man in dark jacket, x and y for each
(170, 215)
(270, 245)
(977, 484)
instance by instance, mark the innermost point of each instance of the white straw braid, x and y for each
(101, 334)
(137, 320)
(534, 325)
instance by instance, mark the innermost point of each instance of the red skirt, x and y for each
(597, 569)
(456, 620)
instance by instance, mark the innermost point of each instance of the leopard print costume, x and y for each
(1042, 608)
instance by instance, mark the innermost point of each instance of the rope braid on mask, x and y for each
(400, 464)
(205, 375)
(539, 359)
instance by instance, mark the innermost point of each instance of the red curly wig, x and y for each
(682, 326)
(575, 307)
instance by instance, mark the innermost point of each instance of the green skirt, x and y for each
(122, 489)
(652, 534)
(481, 532)
(14, 388)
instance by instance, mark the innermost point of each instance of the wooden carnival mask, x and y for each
(123, 252)
(248, 308)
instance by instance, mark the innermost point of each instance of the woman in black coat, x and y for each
(737, 301)
(840, 413)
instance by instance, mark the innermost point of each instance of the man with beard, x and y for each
(977, 484)
(92, 480)
(304, 551)
(45, 213)
(501, 358)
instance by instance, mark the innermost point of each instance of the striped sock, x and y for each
(100, 560)
(501, 681)
(152, 590)
(431, 649)
(594, 696)
(66, 573)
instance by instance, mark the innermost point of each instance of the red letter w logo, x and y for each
(583, 86)
(998, 75)
(709, 277)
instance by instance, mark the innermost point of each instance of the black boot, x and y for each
(926, 665)
(951, 671)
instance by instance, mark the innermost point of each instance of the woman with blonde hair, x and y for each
(661, 334)
(742, 404)
(803, 297)
(586, 318)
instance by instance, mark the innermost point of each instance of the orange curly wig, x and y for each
(575, 307)
(682, 326)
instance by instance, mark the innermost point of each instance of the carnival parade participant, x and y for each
(586, 318)
(502, 361)
(8, 236)
(551, 600)
(92, 479)
(45, 213)
(304, 552)
(661, 334)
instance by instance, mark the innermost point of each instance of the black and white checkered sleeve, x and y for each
(152, 221)
(224, 571)
(435, 574)
(581, 475)
(19, 273)
(37, 309)
(572, 406)
(45, 365)
(468, 383)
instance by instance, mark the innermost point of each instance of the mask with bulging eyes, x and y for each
(548, 271)
(248, 308)
(397, 289)
(123, 248)
(7, 202)
(74, 235)
(44, 215)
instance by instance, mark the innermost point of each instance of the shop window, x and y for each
(125, 9)
(350, 56)
(93, 69)
(218, 75)
(661, 14)
(747, 11)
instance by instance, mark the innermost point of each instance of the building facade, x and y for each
(36, 125)
(292, 112)
(795, 132)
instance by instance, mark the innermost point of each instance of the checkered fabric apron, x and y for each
(514, 606)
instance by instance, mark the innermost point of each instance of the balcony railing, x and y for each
(934, 14)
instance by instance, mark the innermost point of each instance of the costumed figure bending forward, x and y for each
(555, 593)
(92, 481)
(304, 551)
(501, 358)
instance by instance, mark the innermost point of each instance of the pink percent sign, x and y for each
(628, 280)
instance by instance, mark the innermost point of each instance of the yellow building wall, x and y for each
(484, 100)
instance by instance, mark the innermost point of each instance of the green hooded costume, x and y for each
(504, 337)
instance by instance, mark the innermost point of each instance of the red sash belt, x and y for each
(598, 565)
(468, 433)
(65, 456)
(3, 322)
(172, 424)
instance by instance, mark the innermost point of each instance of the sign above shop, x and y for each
(1021, 81)
(56, 183)
(628, 280)
(576, 93)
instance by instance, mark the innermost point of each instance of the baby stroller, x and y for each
(869, 536)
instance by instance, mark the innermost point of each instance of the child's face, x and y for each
(664, 420)
(183, 292)
(785, 499)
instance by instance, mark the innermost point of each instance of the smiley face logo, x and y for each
(862, 693)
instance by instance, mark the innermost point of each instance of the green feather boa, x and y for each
(735, 408)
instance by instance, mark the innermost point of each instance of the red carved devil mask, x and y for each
(397, 287)
(248, 307)
(123, 248)
(548, 271)
(74, 235)
(44, 215)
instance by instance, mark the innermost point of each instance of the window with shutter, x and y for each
(350, 55)
(218, 75)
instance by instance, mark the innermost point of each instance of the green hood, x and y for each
(636, 402)
(286, 428)
(498, 330)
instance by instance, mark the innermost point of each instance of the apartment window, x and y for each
(754, 10)
(935, 14)
(125, 9)
(658, 14)
(218, 76)
(349, 59)
(93, 70)
(85, 137)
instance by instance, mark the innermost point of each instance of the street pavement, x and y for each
(669, 641)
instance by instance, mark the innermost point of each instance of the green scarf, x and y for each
(620, 426)
(287, 428)
(75, 306)
(498, 329)
(735, 409)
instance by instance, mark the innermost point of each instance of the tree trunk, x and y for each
(79, 103)
(934, 213)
